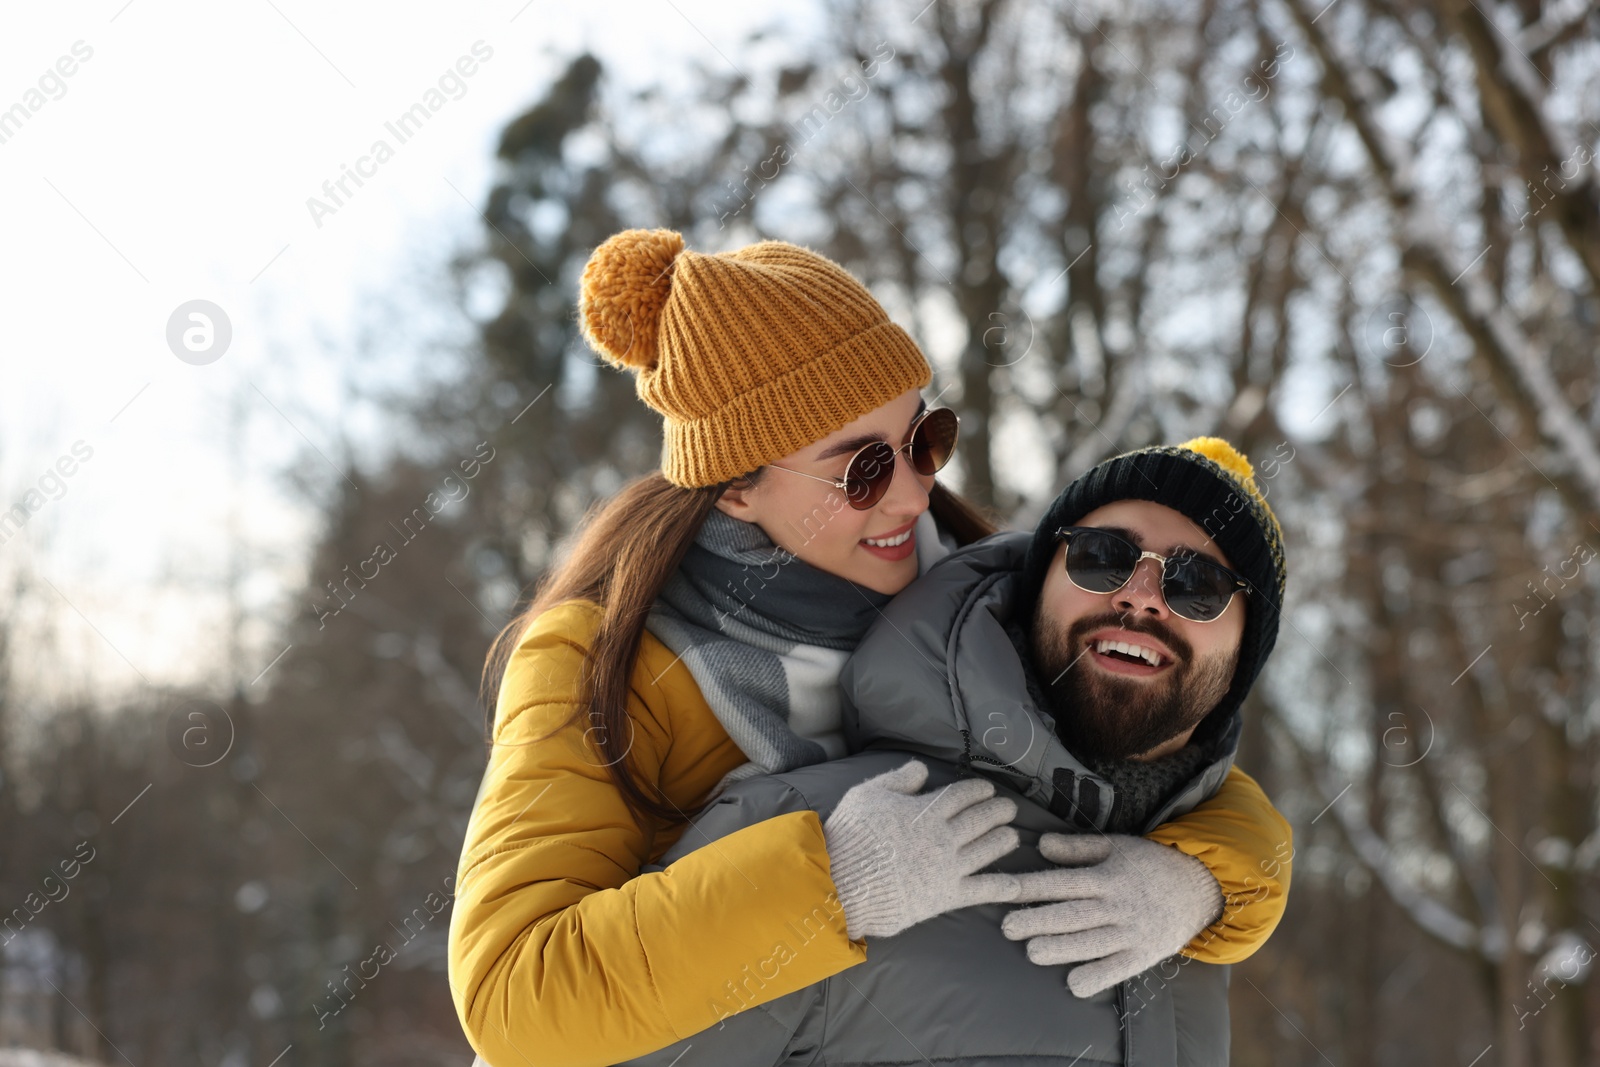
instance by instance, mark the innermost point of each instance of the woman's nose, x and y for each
(906, 495)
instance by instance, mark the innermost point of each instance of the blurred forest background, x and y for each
(1360, 239)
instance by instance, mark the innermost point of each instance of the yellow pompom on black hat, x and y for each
(749, 355)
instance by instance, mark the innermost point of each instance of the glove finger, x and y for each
(1096, 977)
(998, 842)
(1063, 883)
(981, 818)
(986, 889)
(958, 796)
(1075, 917)
(1076, 850)
(906, 778)
(1053, 949)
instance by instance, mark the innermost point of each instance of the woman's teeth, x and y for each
(888, 542)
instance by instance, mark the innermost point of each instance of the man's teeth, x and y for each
(888, 542)
(1149, 655)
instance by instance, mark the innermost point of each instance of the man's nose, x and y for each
(1142, 594)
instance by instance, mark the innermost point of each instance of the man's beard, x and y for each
(1101, 716)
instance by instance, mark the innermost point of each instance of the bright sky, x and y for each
(173, 164)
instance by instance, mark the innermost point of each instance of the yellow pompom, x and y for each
(1223, 455)
(625, 285)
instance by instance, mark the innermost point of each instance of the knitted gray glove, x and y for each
(1136, 903)
(898, 858)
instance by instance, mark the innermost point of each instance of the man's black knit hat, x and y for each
(1209, 481)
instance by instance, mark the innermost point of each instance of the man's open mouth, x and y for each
(1128, 655)
(1129, 651)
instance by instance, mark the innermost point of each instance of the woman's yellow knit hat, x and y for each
(750, 355)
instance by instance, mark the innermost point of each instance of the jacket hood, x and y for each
(937, 674)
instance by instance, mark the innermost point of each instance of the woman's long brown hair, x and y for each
(623, 553)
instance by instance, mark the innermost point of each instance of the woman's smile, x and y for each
(895, 545)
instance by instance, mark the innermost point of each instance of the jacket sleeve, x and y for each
(1248, 846)
(562, 954)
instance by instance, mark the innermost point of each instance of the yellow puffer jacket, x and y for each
(563, 955)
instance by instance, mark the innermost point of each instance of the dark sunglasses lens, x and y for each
(1098, 562)
(934, 441)
(1196, 590)
(869, 475)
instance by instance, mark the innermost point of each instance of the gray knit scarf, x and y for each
(765, 636)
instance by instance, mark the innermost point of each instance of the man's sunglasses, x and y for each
(929, 446)
(1098, 561)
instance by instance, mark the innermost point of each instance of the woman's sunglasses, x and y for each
(1098, 561)
(928, 447)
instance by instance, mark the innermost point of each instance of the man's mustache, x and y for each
(1155, 628)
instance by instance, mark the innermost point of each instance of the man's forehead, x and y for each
(1154, 527)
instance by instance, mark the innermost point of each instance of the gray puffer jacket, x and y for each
(937, 676)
